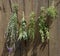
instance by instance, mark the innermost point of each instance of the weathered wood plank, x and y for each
(33, 48)
(1, 29)
(55, 34)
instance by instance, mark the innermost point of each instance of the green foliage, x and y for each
(24, 33)
(42, 24)
(15, 7)
(31, 28)
(44, 28)
(12, 30)
(23, 30)
(51, 11)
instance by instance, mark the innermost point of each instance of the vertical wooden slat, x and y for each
(58, 29)
(55, 34)
(34, 48)
(28, 9)
(6, 12)
(1, 29)
(38, 48)
(1, 24)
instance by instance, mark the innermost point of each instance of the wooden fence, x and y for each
(35, 48)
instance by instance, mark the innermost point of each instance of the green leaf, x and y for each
(31, 28)
(23, 30)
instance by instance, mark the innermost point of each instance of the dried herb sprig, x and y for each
(31, 28)
(42, 19)
(12, 31)
(52, 11)
(23, 30)
(44, 28)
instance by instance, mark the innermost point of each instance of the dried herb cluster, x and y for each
(13, 33)
(31, 27)
(23, 30)
(44, 27)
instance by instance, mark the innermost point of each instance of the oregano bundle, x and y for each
(44, 14)
(44, 31)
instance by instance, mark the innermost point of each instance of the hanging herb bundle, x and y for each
(51, 11)
(31, 28)
(23, 30)
(12, 31)
(44, 28)
(42, 24)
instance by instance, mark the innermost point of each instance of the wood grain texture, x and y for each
(30, 48)
(54, 45)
